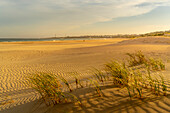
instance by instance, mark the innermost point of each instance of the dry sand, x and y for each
(18, 59)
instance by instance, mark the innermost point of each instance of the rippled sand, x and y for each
(19, 59)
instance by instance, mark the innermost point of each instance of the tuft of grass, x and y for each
(135, 79)
(96, 86)
(139, 58)
(137, 83)
(77, 80)
(99, 75)
(118, 72)
(65, 82)
(155, 84)
(164, 87)
(154, 64)
(133, 61)
(161, 64)
(49, 87)
(129, 92)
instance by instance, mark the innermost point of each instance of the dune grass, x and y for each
(134, 80)
(99, 75)
(144, 76)
(65, 82)
(118, 72)
(96, 87)
(77, 80)
(139, 58)
(164, 87)
(50, 89)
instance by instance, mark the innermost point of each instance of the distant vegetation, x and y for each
(157, 33)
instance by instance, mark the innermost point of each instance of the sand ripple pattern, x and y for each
(17, 61)
(14, 89)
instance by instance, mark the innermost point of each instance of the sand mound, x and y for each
(17, 60)
(148, 40)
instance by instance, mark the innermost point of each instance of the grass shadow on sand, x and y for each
(112, 101)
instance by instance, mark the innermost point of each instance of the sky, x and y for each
(45, 18)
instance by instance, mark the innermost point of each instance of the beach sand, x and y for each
(19, 59)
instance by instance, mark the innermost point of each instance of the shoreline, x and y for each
(60, 41)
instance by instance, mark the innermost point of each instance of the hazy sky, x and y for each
(45, 18)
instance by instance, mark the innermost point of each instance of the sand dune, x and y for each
(148, 40)
(18, 59)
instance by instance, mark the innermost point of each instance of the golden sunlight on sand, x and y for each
(19, 59)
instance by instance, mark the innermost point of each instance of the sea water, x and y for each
(40, 39)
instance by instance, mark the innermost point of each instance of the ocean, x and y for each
(40, 39)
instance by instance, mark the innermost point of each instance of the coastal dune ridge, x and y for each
(20, 59)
